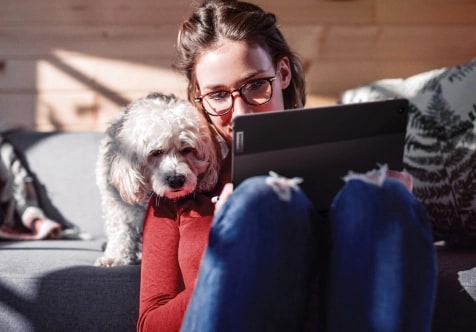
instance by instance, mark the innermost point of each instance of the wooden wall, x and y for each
(72, 64)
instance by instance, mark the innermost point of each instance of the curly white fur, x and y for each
(160, 144)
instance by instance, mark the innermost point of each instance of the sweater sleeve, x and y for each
(174, 239)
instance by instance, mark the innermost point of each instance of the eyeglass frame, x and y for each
(270, 80)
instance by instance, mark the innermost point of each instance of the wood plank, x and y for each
(72, 71)
(430, 42)
(120, 42)
(74, 111)
(458, 12)
(399, 42)
(386, 42)
(318, 100)
(17, 110)
(92, 12)
(79, 110)
(334, 77)
(84, 71)
(52, 110)
(306, 40)
(18, 75)
(320, 12)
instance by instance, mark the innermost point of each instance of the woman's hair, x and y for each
(216, 20)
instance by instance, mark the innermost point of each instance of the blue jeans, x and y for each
(265, 251)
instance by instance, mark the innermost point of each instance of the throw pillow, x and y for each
(440, 149)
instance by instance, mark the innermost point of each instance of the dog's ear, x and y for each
(127, 175)
(212, 156)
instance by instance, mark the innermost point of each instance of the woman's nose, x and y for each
(240, 106)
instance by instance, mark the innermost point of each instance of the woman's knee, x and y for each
(264, 191)
(361, 205)
(360, 193)
(261, 206)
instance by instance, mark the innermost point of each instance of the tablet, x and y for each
(320, 145)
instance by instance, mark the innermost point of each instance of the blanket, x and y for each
(21, 217)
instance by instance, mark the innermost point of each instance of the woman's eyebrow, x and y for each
(252, 75)
(240, 82)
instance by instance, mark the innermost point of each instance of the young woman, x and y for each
(248, 263)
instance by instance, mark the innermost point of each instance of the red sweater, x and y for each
(174, 239)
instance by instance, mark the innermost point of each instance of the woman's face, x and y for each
(232, 64)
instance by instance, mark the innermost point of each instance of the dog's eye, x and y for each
(186, 151)
(156, 153)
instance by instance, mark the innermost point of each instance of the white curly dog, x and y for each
(160, 144)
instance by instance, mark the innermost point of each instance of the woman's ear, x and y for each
(284, 73)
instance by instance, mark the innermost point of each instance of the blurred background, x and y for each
(72, 65)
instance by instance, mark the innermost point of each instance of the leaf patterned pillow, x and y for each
(440, 149)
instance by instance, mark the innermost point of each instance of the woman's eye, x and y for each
(256, 85)
(219, 95)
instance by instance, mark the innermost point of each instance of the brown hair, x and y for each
(215, 20)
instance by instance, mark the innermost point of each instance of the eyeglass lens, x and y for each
(254, 93)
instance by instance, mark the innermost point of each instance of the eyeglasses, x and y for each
(256, 92)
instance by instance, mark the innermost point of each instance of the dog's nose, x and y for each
(175, 181)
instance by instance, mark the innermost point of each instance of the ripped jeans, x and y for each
(267, 246)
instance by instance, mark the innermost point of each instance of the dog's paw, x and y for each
(105, 261)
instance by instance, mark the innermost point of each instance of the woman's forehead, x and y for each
(231, 63)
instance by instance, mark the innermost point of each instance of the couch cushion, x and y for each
(440, 151)
(64, 165)
(456, 292)
(52, 285)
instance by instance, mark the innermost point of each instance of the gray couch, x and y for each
(52, 285)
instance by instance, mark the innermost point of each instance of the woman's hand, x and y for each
(225, 194)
